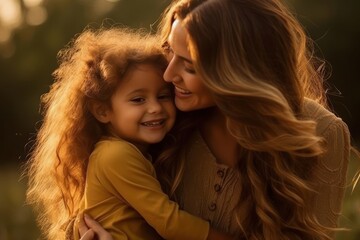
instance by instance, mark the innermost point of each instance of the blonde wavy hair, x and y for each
(90, 68)
(259, 65)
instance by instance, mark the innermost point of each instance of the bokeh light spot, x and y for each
(10, 13)
(36, 16)
(32, 3)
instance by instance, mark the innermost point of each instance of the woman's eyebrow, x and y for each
(167, 44)
(185, 59)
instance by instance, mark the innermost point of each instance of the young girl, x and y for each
(108, 104)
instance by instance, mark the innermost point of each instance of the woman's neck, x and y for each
(218, 139)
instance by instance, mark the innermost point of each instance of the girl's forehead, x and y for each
(142, 69)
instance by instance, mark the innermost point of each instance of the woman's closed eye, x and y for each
(190, 69)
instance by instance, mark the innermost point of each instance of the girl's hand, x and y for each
(89, 229)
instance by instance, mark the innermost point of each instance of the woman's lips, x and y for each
(179, 92)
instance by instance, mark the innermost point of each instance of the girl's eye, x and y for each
(138, 100)
(165, 96)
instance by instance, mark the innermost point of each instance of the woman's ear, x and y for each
(100, 111)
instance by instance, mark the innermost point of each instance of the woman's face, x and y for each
(190, 92)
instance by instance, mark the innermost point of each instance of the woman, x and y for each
(259, 155)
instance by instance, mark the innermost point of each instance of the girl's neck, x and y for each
(215, 120)
(219, 140)
(143, 147)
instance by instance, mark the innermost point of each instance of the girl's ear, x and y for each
(100, 111)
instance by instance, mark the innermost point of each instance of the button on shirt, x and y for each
(215, 189)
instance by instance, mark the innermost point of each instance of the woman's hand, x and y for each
(89, 229)
(215, 235)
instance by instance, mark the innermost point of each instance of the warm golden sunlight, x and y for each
(36, 37)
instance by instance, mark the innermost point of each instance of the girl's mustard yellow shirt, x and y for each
(124, 196)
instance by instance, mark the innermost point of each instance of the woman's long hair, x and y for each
(90, 68)
(258, 63)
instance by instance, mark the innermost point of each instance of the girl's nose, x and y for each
(154, 107)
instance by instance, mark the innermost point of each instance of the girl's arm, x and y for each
(131, 177)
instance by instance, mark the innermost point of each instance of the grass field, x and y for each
(17, 221)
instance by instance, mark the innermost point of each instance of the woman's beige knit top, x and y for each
(211, 190)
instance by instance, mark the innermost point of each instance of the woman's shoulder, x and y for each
(324, 118)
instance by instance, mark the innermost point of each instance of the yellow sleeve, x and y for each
(330, 173)
(125, 171)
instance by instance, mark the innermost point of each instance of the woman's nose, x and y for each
(170, 72)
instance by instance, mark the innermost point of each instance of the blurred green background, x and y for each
(33, 31)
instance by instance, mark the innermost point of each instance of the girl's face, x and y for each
(142, 109)
(190, 92)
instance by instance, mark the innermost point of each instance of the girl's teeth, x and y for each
(151, 124)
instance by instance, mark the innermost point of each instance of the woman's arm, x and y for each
(329, 175)
(89, 229)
